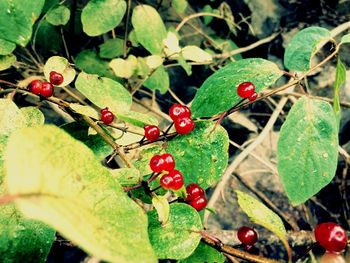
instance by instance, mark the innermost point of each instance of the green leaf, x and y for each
(303, 46)
(7, 61)
(159, 80)
(11, 118)
(149, 27)
(218, 93)
(126, 176)
(60, 65)
(48, 37)
(183, 63)
(124, 68)
(112, 48)
(104, 92)
(6, 47)
(179, 237)
(195, 54)
(58, 16)
(162, 207)
(345, 39)
(207, 148)
(17, 18)
(307, 149)
(340, 78)
(62, 184)
(137, 118)
(180, 6)
(33, 116)
(262, 215)
(204, 253)
(100, 16)
(89, 62)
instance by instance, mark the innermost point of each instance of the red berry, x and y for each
(184, 125)
(331, 236)
(56, 78)
(47, 89)
(247, 235)
(193, 191)
(107, 117)
(169, 162)
(253, 97)
(199, 203)
(35, 87)
(177, 111)
(167, 181)
(245, 89)
(178, 179)
(104, 110)
(157, 164)
(152, 132)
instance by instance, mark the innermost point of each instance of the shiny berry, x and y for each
(104, 110)
(247, 235)
(56, 78)
(47, 89)
(107, 116)
(157, 164)
(177, 111)
(193, 191)
(253, 97)
(169, 162)
(245, 89)
(199, 203)
(178, 179)
(152, 132)
(184, 125)
(35, 87)
(167, 181)
(331, 236)
(128, 43)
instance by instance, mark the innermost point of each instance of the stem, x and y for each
(126, 28)
(188, 18)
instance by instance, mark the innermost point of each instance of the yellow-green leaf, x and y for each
(7, 61)
(195, 54)
(161, 204)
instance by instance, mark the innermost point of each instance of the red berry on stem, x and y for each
(178, 179)
(177, 111)
(56, 78)
(47, 89)
(152, 132)
(104, 110)
(253, 97)
(245, 90)
(193, 191)
(169, 162)
(247, 235)
(331, 236)
(199, 203)
(184, 125)
(167, 181)
(35, 87)
(107, 117)
(157, 164)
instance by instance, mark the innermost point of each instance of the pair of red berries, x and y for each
(181, 116)
(248, 236)
(246, 90)
(196, 197)
(107, 116)
(45, 88)
(331, 236)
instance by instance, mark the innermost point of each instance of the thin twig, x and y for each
(188, 18)
(125, 48)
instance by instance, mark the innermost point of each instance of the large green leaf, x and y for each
(159, 80)
(179, 237)
(101, 16)
(149, 27)
(219, 92)
(60, 65)
(201, 155)
(137, 118)
(58, 16)
(340, 78)
(112, 48)
(307, 149)
(262, 215)
(61, 183)
(104, 92)
(7, 61)
(204, 253)
(17, 18)
(6, 47)
(303, 46)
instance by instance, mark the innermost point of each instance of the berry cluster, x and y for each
(107, 116)
(246, 90)
(331, 236)
(45, 88)
(196, 197)
(181, 116)
(248, 236)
